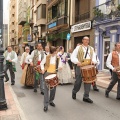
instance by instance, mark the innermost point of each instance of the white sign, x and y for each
(81, 27)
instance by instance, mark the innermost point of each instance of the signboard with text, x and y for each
(81, 27)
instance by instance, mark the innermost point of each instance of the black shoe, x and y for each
(45, 109)
(12, 83)
(6, 80)
(35, 90)
(42, 93)
(52, 104)
(118, 98)
(74, 96)
(87, 100)
(106, 94)
(96, 89)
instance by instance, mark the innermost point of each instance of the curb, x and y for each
(21, 113)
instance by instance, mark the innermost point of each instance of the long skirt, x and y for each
(28, 76)
(65, 75)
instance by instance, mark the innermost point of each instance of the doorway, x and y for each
(106, 51)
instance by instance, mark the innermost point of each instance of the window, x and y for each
(61, 8)
(41, 11)
(49, 14)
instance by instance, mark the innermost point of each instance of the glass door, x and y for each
(106, 51)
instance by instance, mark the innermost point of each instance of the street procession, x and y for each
(61, 60)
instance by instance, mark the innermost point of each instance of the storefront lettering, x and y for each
(81, 27)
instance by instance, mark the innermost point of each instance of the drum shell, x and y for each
(53, 82)
(88, 74)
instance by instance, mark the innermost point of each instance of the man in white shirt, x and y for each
(113, 63)
(38, 60)
(10, 61)
(79, 54)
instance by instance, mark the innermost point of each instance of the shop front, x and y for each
(78, 31)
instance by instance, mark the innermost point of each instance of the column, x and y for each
(113, 39)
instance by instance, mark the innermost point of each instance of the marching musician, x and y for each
(51, 66)
(81, 53)
(113, 63)
(38, 60)
(10, 63)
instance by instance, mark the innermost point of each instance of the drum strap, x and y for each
(86, 53)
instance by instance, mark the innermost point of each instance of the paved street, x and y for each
(66, 108)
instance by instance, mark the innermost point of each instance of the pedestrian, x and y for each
(27, 78)
(47, 50)
(38, 60)
(81, 54)
(52, 65)
(10, 63)
(113, 64)
(65, 73)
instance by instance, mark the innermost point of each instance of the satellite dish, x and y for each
(108, 10)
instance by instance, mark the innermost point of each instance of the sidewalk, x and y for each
(14, 111)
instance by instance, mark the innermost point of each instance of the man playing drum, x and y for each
(83, 55)
(51, 66)
(113, 63)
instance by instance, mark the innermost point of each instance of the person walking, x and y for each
(10, 63)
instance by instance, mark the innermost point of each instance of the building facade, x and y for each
(107, 28)
(5, 35)
(13, 25)
(58, 22)
(81, 21)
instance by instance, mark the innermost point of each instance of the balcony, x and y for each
(57, 23)
(82, 17)
(52, 2)
(106, 12)
(40, 2)
(41, 21)
(22, 18)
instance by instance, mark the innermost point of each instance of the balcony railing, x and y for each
(82, 17)
(106, 11)
(57, 22)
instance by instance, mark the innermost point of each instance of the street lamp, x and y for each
(3, 104)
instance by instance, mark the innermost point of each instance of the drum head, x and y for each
(50, 76)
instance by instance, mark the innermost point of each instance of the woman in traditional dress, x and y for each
(27, 78)
(51, 66)
(65, 74)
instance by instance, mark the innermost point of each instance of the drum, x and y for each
(51, 81)
(88, 73)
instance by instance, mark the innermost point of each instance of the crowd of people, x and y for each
(54, 66)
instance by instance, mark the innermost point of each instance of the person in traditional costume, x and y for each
(10, 63)
(38, 60)
(47, 50)
(52, 65)
(83, 55)
(113, 63)
(27, 78)
(65, 74)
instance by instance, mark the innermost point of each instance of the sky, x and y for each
(5, 11)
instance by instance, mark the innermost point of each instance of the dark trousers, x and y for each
(115, 79)
(12, 74)
(48, 99)
(78, 82)
(41, 79)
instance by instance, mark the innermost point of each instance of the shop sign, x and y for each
(52, 25)
(29, 38)
(81, 27)
(68, 36)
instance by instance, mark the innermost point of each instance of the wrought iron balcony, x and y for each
(106, 12)
(82, 17)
